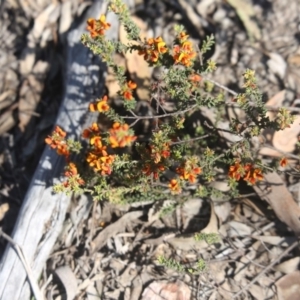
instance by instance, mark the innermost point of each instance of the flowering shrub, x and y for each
(119, 165)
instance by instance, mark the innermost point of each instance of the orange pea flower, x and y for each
(165, 152)
(97, 27)
(127, 90)
(153, 48)
(101, 164)
(132, 85)
(153, 169)
(105, 164)
(253, 175)
(182, 36)
(283, 162)
(57, 141)
(184, 53)
(236, 171)
(63, 149)
(157, 152)
(71, 170)
(88, 132)
(74, 178)
(127, 95)
(160, 45)
(247, 172)
(189, 172)
(92, 27)
(120, 136)
(60, 132)
(195, 78)
(100, 106)
(174, 186)
(96, 141)
(103, 23)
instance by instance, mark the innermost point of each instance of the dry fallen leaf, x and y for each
(48, 16)
(288, 266)
(3, 209)
(162, 290)
(244, 10)
(222, 211)
(273, 190)
(7, 121)
(288, 287)
(30, 93)
(189, 211)
(6, 99)
(66, 17)
(285, 140)
(91, 293)
(213, 224)
(206, 7)
(27, 61)
(257, 291)
(68, 280)
(187, 241)
(111, 230)
(275, 101)
(238, 229)
(277, 64)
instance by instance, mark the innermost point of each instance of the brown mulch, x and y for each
(108, 251)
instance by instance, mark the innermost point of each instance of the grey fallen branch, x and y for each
(34, 286)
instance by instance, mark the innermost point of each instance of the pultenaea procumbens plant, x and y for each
(119, 163)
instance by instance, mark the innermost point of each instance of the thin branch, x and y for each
(219, 129)
(131, 125)
(232, 92)
(282, 152)
(191, 140)
(34, 286)
(49, 279)
(270, 266)
(274, 108)
(199, 55)
(160, 116)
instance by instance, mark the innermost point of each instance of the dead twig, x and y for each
(233, 93)
(176, 113)
(270, 266)
(223, 87)
(287, 154)
(219, 129)
(34, 286)
(191, 140)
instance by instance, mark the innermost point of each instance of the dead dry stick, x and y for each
(223, 87)
(176, 113)
(270, 266)
(229, 250)
(286, 154)
(35, 288)
(233, 93)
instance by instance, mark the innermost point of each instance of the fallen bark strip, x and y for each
(42, 214)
